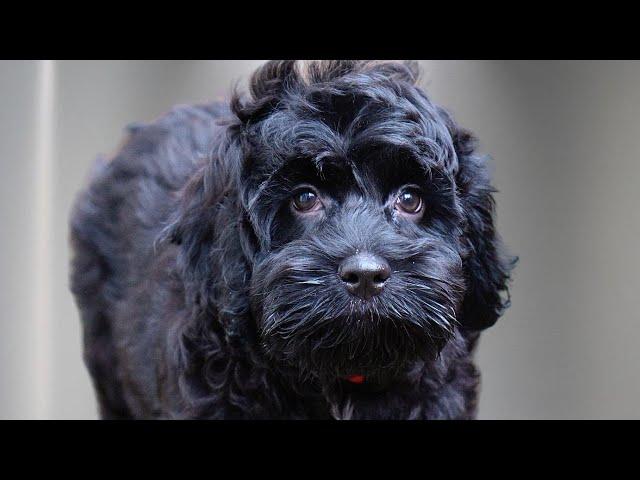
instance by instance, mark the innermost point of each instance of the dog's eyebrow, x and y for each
(319, 161)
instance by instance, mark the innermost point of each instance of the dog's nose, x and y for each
(364, 274)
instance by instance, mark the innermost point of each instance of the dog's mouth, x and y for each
(350, 355)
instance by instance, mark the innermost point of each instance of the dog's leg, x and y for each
(100, 359)
(88, 278)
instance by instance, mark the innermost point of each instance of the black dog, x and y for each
(324, 248)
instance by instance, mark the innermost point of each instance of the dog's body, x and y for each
(206, 292)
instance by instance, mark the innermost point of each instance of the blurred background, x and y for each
(565, 141)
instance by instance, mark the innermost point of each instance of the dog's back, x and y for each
(115, 224)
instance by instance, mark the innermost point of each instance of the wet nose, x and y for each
(364, 274)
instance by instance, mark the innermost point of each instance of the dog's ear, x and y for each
(486, 263)
(192, 228)
(206, 219)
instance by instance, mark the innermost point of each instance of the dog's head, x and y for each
(364, 219)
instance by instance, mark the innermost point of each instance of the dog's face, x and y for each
(353, 201)
(363, 271)
(365, 218)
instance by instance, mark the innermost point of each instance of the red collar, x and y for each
(358, 379)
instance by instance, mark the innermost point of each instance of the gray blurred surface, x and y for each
(565, 139)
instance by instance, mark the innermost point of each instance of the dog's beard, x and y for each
(311, 324)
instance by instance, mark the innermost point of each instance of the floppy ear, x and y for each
(207, 220)
(487, 266)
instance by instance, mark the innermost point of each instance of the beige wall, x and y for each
(565, 141)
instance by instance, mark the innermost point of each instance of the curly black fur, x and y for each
(203, 295)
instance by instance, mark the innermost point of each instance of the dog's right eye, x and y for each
(306, 200)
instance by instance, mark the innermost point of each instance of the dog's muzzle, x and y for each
(356, 306)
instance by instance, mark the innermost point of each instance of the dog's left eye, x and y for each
(306, 200)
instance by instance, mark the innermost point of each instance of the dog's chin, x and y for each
(356, 355)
